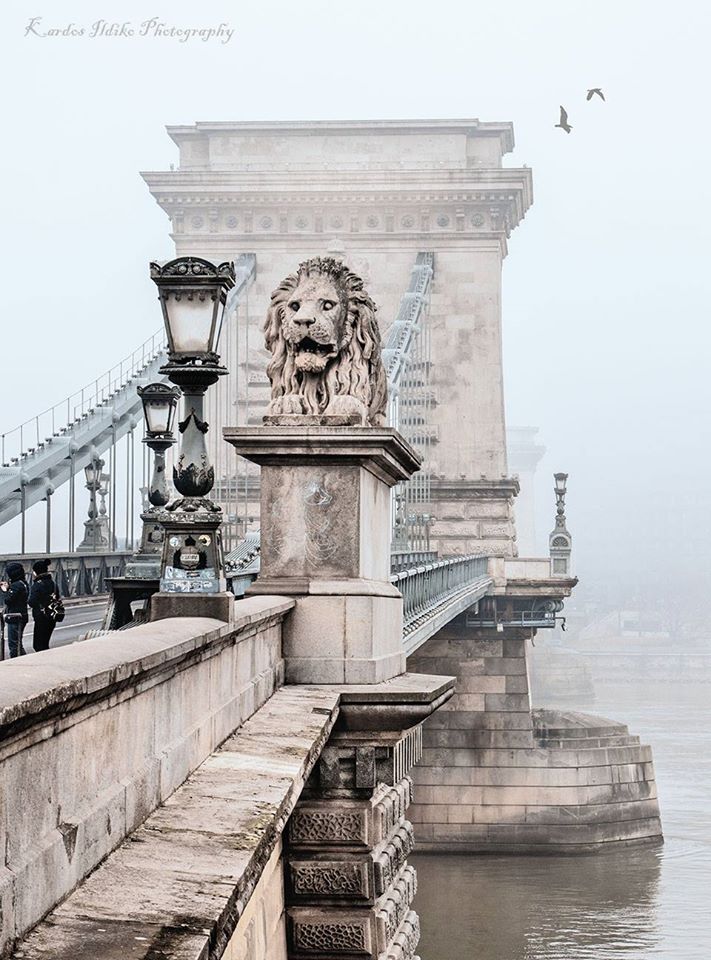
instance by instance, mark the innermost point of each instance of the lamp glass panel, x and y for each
(90, 472)
(219, 317)
(190, 323)
(158, 416)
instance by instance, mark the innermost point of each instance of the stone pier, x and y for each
(496, 776)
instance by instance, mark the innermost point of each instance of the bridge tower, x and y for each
(377, 193)
(380, 194)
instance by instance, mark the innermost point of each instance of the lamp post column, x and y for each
(159, 403)
(560, 541)
(192, 292)
(96, 528)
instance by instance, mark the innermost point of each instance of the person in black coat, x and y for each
(15, 613)
(41, 592)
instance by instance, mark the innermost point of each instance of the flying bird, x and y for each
(563, 122)
(593, 91)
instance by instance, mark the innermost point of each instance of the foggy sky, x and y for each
(606, 287)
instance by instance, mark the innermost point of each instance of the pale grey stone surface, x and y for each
(93, 737)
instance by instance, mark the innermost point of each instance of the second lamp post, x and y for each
(159, 403)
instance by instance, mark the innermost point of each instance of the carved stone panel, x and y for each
(329, 878)
(311, 825)
(314, 936)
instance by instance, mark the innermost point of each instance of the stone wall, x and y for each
(95, 736)
(261, 931)
(496, 776)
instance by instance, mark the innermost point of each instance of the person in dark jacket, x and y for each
(41, 592)
(15, 613)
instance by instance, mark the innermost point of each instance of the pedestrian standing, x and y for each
(42, 593)
(16, 616)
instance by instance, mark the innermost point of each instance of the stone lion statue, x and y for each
(325, 345)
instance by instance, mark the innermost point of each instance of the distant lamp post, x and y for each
(192, 293)
(159, 403)
(96, 528)
(560, 541)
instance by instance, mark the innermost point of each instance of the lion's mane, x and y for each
(356, 371)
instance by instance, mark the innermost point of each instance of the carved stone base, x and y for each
(348, 884)
(349, 887)
(216, 606)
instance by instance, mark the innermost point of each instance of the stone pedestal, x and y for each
(325, 533)
(145, 564)
(348, 886)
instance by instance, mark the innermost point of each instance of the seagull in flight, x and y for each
(563, 122)
(593, 91)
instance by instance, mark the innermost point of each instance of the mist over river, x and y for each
(630, 903)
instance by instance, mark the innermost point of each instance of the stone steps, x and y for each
(584, 743)
(572, 731)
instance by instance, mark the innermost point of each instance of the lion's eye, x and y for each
(328, 304)
(294, 305)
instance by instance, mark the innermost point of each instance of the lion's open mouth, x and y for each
(307, 345)
(310, 356)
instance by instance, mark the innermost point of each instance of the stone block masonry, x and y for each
(496, 776)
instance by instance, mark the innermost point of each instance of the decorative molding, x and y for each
(393, 857)
(394, 906)
(402, 208)
(482, 489)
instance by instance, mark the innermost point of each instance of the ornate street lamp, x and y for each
(560, 541)
(96, 528)
(159, 403)
(192, 293)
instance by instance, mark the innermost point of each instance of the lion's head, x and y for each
(325, 344)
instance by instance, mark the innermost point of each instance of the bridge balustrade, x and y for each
(428, 588)
(76, 574)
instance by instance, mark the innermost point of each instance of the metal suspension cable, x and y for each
(72, 408)
(406, 356)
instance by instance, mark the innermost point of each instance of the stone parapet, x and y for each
(203, 875)
(94, 737)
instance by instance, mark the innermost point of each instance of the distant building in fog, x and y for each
(524, 456)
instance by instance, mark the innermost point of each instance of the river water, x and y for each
(626, 904)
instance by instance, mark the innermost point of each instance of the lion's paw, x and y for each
(289, 403)
(347, 406)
